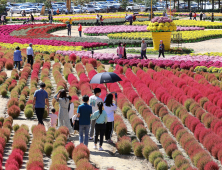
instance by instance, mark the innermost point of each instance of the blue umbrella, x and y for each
(105, 77)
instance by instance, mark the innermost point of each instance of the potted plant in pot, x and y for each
(161, 28)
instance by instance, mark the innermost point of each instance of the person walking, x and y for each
(120, 50)
(101, 20)
(39, 102)
(195, 16)
(212, 17)
(57, 12)
(32, 18)
(80, 29)
(3, 19)
(190, 15)
(201, 16)
(109, 108)
(97, 19)
(124, 51)
(63, 116)
(143, 49)
(17, 57)
(100, 117)
(71, 110)
(70, 21)
(69, 26)
(50, 19)
(204, 16)
(30, 54)
(93, 101)
(67, 11)
(161, 49)
(84, 112)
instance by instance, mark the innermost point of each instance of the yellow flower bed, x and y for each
(42, 48)
(186, 35)
(188, 23)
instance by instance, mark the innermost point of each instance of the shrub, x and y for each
(121, 130)
(135, 122)
(11, 102)
(59, 166)
(125, 109)
(48, 149)
(21, 105)
(140, 131)
(84, 166)
(138, 149)
(14, 111)
(170, 149)
(2, 119)
(154, 155)
(124, 146)
(211, 166)
(15, 127)
(4, 92)
(157, 161)
(19, 144)
(28, 113)
(77, 156)
(176, 153)
(70, 147)
(159, 132)
(162, 165)
(82, 147)
(148, 149)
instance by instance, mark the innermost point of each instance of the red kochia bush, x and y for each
(211, 166)
(72, 57)
(70, 147)
(14, 111)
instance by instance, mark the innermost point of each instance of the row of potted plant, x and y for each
(153, 122)
(59, 154)
(191, 122)
(19, 147)
(5, 129)
(37, 148)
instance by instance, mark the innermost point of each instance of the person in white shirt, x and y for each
(97, 19)
(71, 109)
(93, 101)
(110, 108)
(30, 54)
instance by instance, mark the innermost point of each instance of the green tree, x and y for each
(48, 4)
(148, 2)
(2, 6)
(124, 4)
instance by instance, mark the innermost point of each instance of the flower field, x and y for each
(187, 36)
(169, 109)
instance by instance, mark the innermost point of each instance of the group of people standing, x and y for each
(18, 56)
(121, 50)
(69, 28)
(99, 20)
(194, 16)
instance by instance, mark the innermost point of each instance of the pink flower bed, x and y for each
(5, 37)
(128, 28)
(98, 56)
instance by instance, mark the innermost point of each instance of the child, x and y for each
(120, 50)
(101, 20)
(54, 118)
(73, 121)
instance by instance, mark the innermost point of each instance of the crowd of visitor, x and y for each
(94, 117)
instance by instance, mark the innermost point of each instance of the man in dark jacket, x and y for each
(201, 16)
(161, 49)
(190, 15)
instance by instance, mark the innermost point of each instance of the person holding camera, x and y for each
(63, 116)
(110, 108)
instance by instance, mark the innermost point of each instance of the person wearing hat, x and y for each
(17, 57)
(30, 54)
(143, 49)
(161, 49)
(39, 102)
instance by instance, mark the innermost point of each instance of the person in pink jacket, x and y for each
(120, 50)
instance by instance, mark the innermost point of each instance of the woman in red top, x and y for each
(80, 29)
(101, 20)
(195, 16)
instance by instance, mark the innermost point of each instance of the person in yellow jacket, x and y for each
(70, 21)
